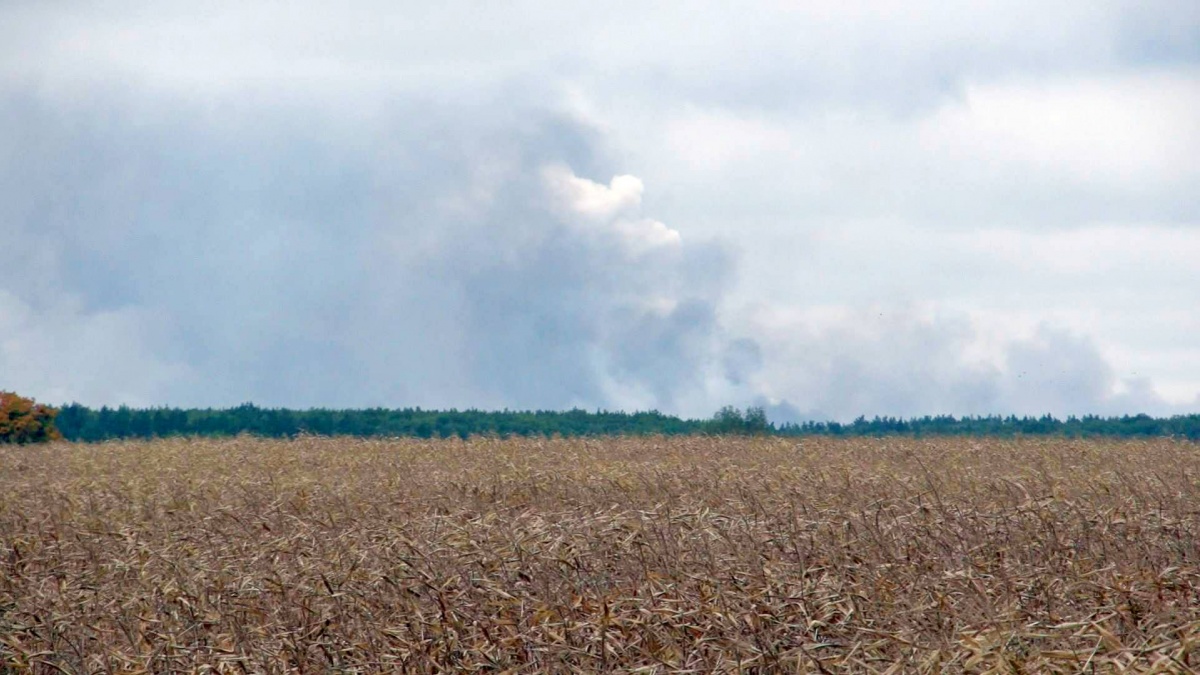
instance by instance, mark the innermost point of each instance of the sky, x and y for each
(829, 209)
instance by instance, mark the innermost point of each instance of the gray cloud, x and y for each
(435, 269)
(905, 365)
(209, 203)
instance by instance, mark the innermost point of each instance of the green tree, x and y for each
(755, 421)
(727, 420)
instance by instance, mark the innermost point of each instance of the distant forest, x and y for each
(80, 423)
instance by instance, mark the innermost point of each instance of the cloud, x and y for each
(62, 353)
(904, 362)
(588, 198)
(1031, 152)
(550, 205)
(455, 265)
(890, 56)
(1128, 133)
(594, 305)
(613, 205)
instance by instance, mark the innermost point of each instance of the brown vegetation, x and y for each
(657, 555)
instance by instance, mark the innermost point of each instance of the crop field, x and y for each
(683, 554)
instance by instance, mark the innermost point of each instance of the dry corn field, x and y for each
(627, 555)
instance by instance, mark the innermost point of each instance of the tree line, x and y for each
(77, 422)
(80, 423)
(24, 421)
(1088, 426)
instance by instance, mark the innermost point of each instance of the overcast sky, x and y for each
(827, 208)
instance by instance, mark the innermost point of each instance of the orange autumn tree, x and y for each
(24, 421)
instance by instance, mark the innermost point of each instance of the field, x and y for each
(655, 555)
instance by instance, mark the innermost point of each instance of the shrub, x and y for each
(24, 421)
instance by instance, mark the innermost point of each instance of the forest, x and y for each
(80, 423)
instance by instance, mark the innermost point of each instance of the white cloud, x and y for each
(613, 207)
(1125, 132)
(592, 199)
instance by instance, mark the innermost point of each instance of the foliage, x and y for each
(656, 555)
(731, 421)
(1089, 426)
(80, 423)
(24, 421)
(87, 424)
